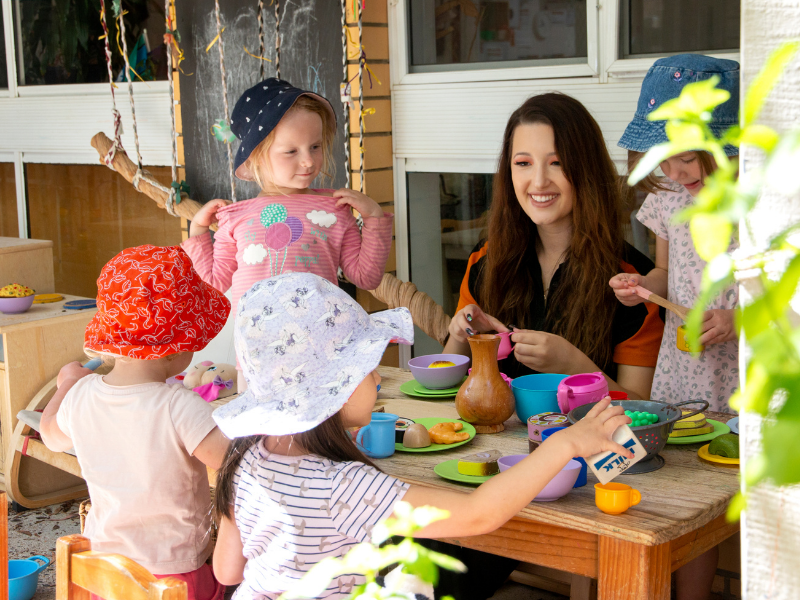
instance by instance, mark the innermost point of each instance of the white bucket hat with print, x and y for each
(303, 345)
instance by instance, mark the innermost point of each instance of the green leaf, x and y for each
(655, 156)
(683, 132)
(759, 389)
(759, 136)
(761, 87)
(711, 235)
(424, 568)
(756, 469)
(781, 443)
(697, 101)
(781, 170)
(735, 508)
(447, 562)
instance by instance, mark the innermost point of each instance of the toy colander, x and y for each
(653, 437)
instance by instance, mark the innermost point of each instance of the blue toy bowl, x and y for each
(23, 577)
(534, 394)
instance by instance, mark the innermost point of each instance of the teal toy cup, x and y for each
(23, 577)
(535, 394)
(377, 439)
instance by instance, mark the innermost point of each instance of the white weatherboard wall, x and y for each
(771, 525)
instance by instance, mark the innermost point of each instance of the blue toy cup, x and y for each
(535, 394)
(376, 440)
(582, 480)
(23, 577)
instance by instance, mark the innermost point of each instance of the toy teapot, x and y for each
(577, 390)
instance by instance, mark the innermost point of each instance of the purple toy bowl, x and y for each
(536, 393)
(580, 389)
(15, 305)
(559, 486)
(439, 378)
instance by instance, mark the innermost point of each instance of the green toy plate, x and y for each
(449, 470)
(719, 429)
(416, 389)
(429, 422)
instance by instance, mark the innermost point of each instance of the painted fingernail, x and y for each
(469, 318)
(470, 332)
(511, 326)
(379, 387)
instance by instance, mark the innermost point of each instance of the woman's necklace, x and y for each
(552, 274)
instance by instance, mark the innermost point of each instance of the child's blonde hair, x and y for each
(652, 184)
(258, 161)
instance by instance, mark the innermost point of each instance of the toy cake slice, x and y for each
(697, 421)
(480, 464)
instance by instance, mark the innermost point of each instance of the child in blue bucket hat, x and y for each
(714, 374)
(294, 488)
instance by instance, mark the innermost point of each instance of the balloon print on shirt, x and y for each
(282, 232)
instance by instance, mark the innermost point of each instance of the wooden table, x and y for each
(681, 515)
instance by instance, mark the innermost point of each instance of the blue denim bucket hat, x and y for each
(664, 81)
(259, 111)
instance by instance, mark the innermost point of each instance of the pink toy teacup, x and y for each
(506, 347)
(577, 390)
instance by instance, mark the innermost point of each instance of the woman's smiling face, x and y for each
(540, 184)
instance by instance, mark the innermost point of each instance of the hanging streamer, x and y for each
(361, 64)
(174, 190)
(121, 33)
(117, 145)
(345, 95)
(224, 93)
(277, 39)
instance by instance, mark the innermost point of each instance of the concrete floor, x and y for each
(34, 532)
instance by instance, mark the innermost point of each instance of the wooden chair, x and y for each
(81, 572)
(3, 546)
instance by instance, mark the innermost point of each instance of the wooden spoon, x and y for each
(681, 311)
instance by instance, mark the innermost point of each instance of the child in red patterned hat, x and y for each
(143, 445)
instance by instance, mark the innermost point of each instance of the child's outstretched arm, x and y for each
(363, 255)
(656, 280)
(215, 261)
(52, 436)
(504, 495)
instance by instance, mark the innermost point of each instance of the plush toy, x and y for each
(211, 380)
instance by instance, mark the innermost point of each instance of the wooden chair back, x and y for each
(3, 546)
(81, 572)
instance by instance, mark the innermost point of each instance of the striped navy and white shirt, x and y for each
(293, 511)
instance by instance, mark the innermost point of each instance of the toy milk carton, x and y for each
(607, 465)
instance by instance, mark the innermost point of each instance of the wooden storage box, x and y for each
(27, 262)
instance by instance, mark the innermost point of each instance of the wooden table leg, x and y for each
(629, 571)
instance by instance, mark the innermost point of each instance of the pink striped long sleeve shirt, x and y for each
(267, 236)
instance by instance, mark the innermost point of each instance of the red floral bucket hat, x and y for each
(152, 303)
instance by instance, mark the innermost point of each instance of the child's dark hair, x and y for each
(329, 440)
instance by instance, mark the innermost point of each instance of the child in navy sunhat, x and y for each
(714, 375)
(287, 137)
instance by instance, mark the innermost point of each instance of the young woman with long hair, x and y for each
(554, 240)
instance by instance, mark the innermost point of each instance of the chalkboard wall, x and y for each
(311, 58)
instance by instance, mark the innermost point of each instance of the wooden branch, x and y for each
(127, 168)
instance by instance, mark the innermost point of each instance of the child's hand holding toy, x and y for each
(592, 434)
(471, 320)
(623, 285)
(72, 371)
(366, 206)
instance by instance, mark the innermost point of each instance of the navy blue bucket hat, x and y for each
(258, 112)
(664, 81)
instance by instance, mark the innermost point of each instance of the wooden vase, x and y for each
(485, 400)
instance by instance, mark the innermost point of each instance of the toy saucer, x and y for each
(415, 389)
(429, 422)
(47, 298)
(734, 425)
(80, 304)
(719, 429)
(722, 460)
(449, 470)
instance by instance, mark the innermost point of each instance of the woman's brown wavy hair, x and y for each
(586, 301)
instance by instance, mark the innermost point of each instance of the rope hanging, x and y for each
(361, 61)
(345, 94)
(108, 159)
(121, 26)
(277, 39)
(225, 96)
(261, 39)
(170, 204)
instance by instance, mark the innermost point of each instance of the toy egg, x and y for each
(416, 436)
(440, 364)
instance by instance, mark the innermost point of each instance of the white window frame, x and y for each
(54, 123)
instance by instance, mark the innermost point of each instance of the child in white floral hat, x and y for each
(294, 488)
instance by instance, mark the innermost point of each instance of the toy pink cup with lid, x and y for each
(577, 390)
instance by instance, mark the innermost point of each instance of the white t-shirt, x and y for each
(714, 375)
(150, 497)
(293, 511)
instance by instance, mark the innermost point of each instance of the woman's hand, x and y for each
(205, 217)
(592, 434)
(623, 285)
(365, 205)
(549, 353)
(718, 326)
(471, 320)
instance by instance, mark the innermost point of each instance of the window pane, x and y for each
(3, 67)
(447, 218)
(91, 213)
(9, 226)
(60, 42)
(674, 26)
(449, 32)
